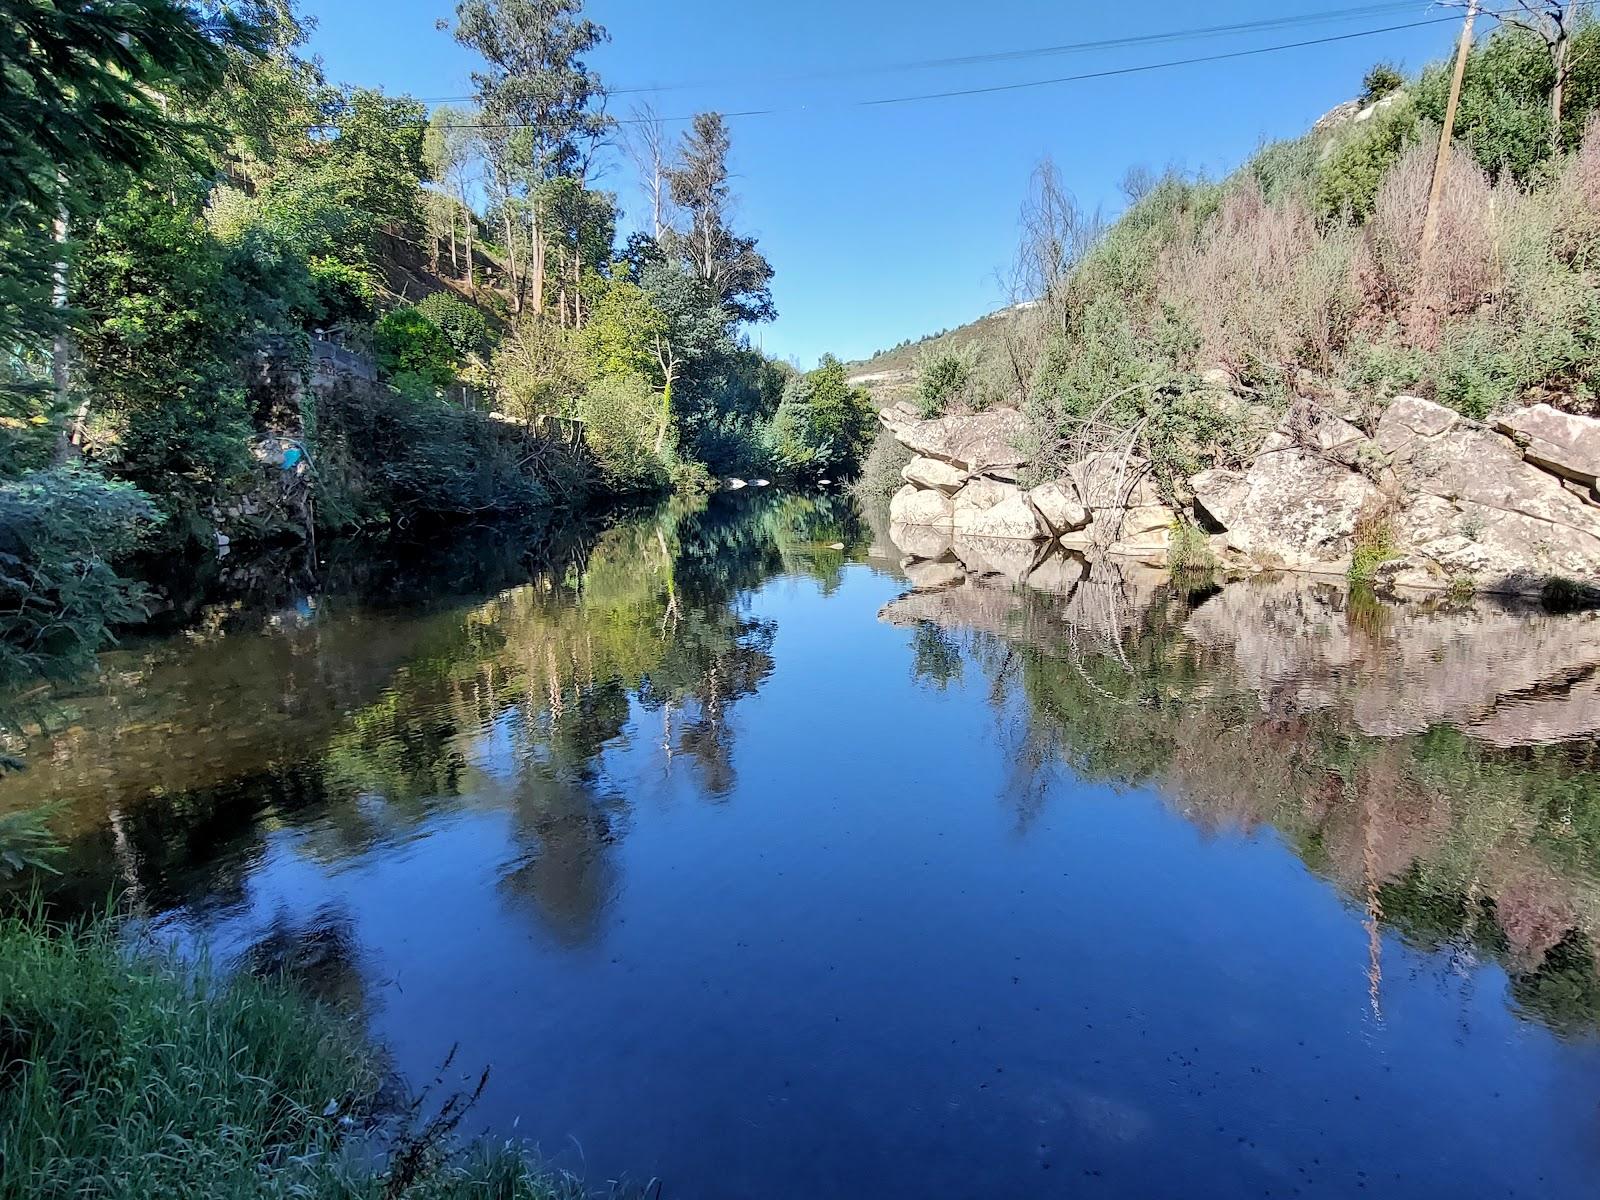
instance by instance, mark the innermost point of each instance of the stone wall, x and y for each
(1445, 502)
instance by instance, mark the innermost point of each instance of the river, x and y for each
(747, 865)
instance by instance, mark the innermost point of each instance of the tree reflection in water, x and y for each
(1438, 763)
(351, 724)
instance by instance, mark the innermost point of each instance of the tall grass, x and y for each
(126, 1073)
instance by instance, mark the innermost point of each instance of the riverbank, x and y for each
(131, 1073)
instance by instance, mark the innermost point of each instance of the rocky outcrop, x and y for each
(986, 443)
(1449, 502)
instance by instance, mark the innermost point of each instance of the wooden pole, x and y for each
(1430, 223)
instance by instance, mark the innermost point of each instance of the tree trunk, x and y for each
(455, 266)
(471, 281)
(1559, 54)
(511, 261)
(666, 412)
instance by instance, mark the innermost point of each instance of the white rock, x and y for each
(934, 473)
(1058, 506)
(920, 506)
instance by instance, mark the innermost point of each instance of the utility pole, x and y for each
(1430, 223)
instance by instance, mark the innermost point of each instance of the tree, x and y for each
(823, 425)
(650, 150)
(1554, 22)
(88, 93)
(538, 104)
(728, 262)
(450, 152)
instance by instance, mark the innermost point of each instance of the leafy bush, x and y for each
(1381, 80)
(62, 534)
(823, 426)
(1349, 178)
(383, 455)
(464, 326)
(408, 342)
(946, 379)
(621, 416)
(880, 470)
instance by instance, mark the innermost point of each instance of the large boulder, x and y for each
(934, 473)
(1058, 506)
(1561, 442)
(1107, 480)
(1313, 427)
(1410, 420)
(992, 509)
(987, 442)
(1220, 496)
(1297, 509)
(1478, 512)
(920, 506)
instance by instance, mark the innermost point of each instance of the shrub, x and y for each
(1263, 286)
(621, 415)
(1373, 543)
(1190, 549)
(382, 455)
(538, 371)
(62, 534)
(823, 425)
(463, 325)
(1349, 178)
(408, 342)
(946, 379)
(880, 470)
(1464, 268)
(1381, 80)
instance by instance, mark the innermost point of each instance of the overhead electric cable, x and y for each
(1106, 73)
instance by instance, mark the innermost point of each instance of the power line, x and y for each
(1035, 83)
(1001, 56)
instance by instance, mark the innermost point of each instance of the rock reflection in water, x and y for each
(1437, 761)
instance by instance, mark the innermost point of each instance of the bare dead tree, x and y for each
(650, 147)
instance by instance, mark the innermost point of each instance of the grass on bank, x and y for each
(127, 1073)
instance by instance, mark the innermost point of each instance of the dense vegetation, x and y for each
(195, 210)
(129, 1076)
(1301, 274)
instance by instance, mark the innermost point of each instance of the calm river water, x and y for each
(749, 866)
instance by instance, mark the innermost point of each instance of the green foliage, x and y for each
(408, 343)
(1348, 179)
(1189, 549)
(463, 325)
(63, 533)
(1381, 80)
(161, 358)
(1373, 544)
(823, 426)
(26, 843)
(133, 1073)
(621, 416)
(387, 455)
(626, 333)
(946, 378)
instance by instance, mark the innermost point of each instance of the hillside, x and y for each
(893, 374)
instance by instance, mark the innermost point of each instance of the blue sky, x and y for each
(889, 222)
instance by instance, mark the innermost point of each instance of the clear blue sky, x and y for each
(889, 222)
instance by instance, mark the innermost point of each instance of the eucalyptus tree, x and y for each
(728, 262)
(542, 113)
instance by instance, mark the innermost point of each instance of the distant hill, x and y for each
(893, 374)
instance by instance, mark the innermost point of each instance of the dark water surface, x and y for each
(750, 867)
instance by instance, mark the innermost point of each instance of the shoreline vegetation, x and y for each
(127, 1072)
(249, 306)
